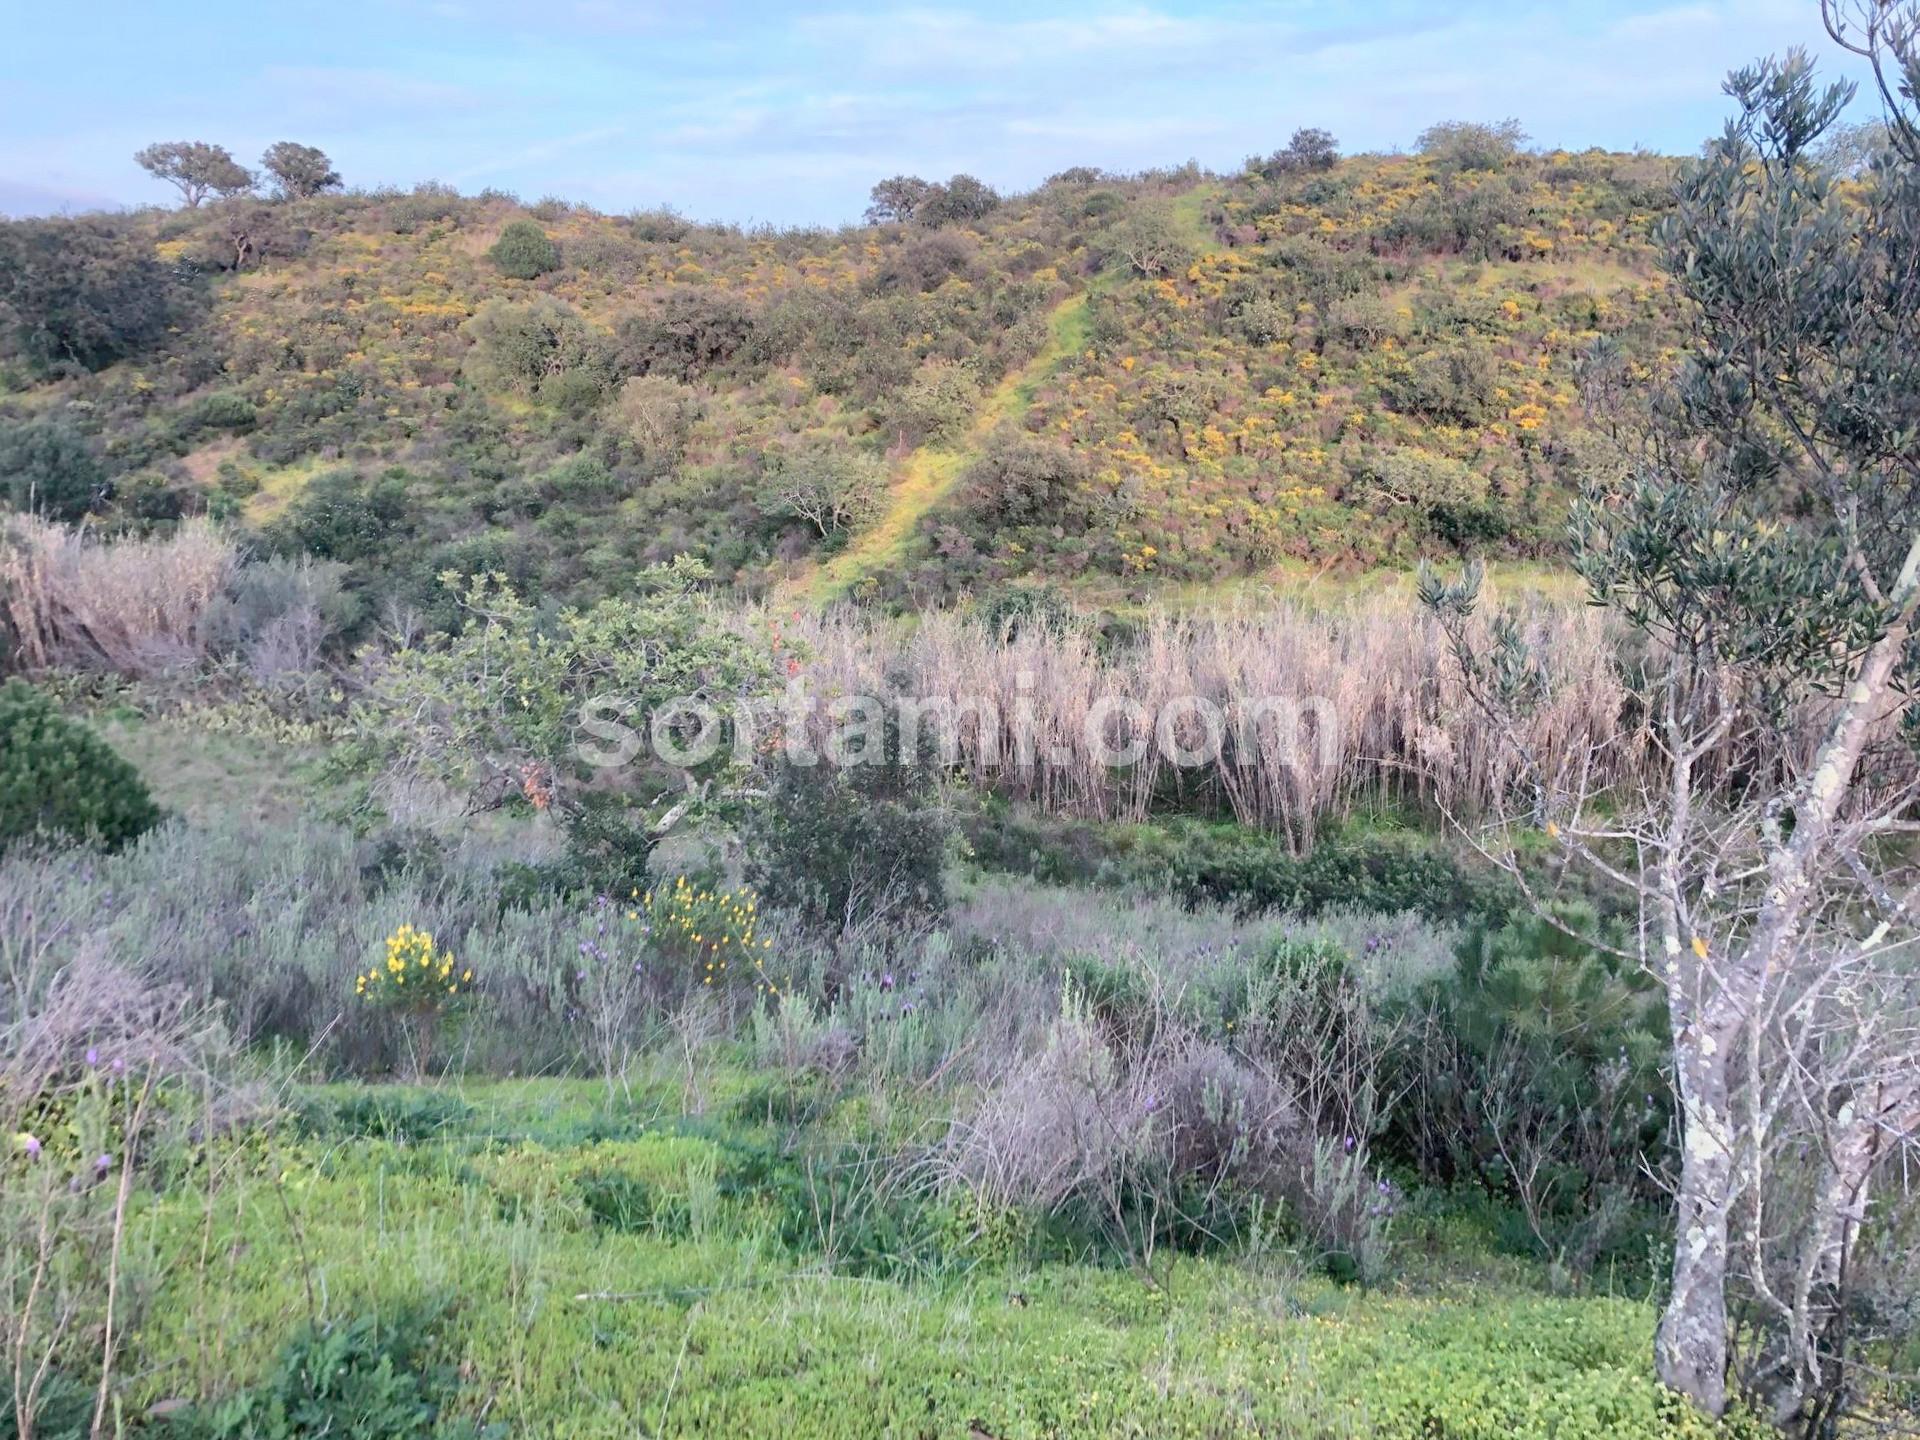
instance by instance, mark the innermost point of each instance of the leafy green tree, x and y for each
(1418, 480)
(939, 402)
(826, 483)
(897, 200)
(1150, 241)
(83, 292)
(566, 712)
(524, 251)
(59, 779)
(657, 413)
(691, 331)
(196, 169)
(960, 201)
(1765, 541)
(536, 345)
(48, 468)
(1470, 145)
(1310, 150)
(299, 171)
(1021, 479)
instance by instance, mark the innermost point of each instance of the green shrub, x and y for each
(524, 251)
(622, 1204)
(1070, 852)
(354, 1380)
(341, 516)
(1018, 609)
(224, 410)
(48, 468)
(842, 847)
(387, 1113)
(84, 291)
(844, 1203)
(58, 778)
(1382, 873)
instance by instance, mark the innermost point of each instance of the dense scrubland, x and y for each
(1126, 381)
(1502, 1024)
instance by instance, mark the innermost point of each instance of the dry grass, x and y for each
(1370, 703)
(134, 606)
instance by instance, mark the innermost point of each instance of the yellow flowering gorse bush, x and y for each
(416, 974)
(716, 932)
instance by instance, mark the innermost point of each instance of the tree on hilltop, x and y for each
(196, 169)
(299, 171)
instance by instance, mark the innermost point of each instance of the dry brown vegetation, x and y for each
(1370, 704)
(132, 606)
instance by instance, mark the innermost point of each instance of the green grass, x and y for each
(213, 778)
(700, 1313)
(1189, 213)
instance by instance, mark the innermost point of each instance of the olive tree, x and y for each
(827, 484)
(196, 169)
(1763, 542)
(897, 199)
(299, 171)
(557, 710)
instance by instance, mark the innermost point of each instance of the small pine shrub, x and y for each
(58, 778)
(64, 1410)
(524, 252)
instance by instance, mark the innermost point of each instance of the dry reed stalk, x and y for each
(1322, 710)
(132, 605)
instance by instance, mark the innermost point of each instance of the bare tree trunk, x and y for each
(1690, 1349)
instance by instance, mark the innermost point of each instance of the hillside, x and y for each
(1114, 383)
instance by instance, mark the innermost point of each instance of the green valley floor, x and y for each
(702, 1255)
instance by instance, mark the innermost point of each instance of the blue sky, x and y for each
(787, 113)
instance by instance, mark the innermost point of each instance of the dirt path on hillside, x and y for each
(928, 475)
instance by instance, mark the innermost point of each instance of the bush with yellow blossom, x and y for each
(712, 936)
(416, 974)
(418, 978)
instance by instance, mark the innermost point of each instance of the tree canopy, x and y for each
(195, 168)
(299, 171)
